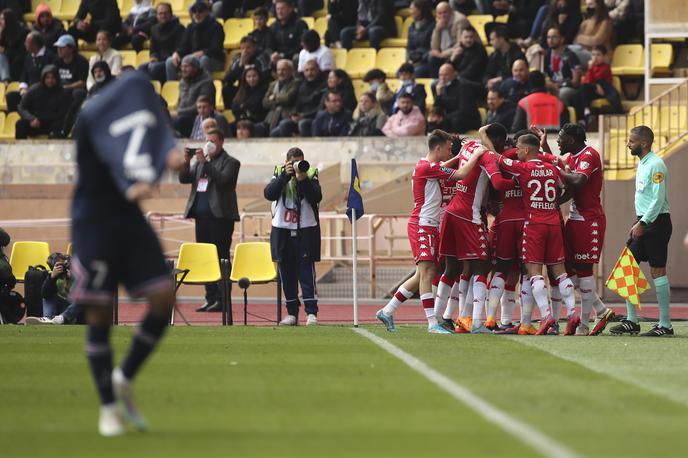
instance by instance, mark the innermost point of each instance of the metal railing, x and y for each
(666, 115)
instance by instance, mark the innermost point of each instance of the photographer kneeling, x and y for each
(55, 293)
(295, 238)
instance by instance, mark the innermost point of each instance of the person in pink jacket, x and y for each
(407, 122)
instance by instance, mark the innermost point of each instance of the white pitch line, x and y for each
(536, 440)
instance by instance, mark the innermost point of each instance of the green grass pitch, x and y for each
(329, 392)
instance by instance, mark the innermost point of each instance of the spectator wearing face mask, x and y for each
(376, 79)
(408, 86)
(596, 29)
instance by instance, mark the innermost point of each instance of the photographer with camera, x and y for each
(212, 202)
(295, 237)
(55, 293)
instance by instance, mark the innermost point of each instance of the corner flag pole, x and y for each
(354, 249)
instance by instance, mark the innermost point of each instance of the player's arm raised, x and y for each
(468, 166)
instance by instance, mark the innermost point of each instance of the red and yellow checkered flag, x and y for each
(626, 279)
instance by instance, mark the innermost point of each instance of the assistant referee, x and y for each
(650, 235)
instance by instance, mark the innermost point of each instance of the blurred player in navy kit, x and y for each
(124, 143)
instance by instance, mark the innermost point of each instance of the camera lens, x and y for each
(302, 166)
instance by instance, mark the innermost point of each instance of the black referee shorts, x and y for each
(653, 245)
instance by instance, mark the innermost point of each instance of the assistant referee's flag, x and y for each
(355, 200)
(626, 278)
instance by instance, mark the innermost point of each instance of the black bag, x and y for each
(12, 307)
(33, 290)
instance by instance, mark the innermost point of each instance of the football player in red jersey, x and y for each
(543, 242)
(424, 223)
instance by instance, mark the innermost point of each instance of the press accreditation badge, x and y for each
(202, 185)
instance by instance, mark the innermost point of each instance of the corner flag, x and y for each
(626, 278)
(354, 201)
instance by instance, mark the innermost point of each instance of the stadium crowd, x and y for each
(536, 62)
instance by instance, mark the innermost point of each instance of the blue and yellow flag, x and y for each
(354, 201)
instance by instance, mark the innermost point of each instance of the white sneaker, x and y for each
(110, 422)
(289, 320)
(582, 330)
(311, 320)
(34, 320)
(125, 396)
(59, 319)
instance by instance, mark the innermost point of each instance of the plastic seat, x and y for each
(142, 57)
(429, 97)
(235, 30)
(2, 120)
(70, 249)
(128, 58)
(229, 116)
(399, 40)
(661, 59)
(253, 260)
(25, 254)
(156, 85)
(13, 86)
(393, 84)
(628, 60)
(3, 102)
(359, 61)
(198, 264)
(67, 9)
(320, 26)
(390, 59)
(478, 22)
(340, 57)
(9, 126)
(309, 20)
(170, 92)
(360, 87)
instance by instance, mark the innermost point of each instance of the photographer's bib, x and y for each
(285, 214)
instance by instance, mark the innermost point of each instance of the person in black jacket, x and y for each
(43, 107)
(261, 33)
(339, 81)
(38, 56)
(47, 25)
(295, 237)
(408, 86)
(374, 22)
(204, 38)
(334, 120)
(136, 28)
(57, 307)
(73, 70)
(419, 36)
(341, 14)
(308, 98)
(287, 31)
(249, 56)
(212, 201)
(13, 50)
(502, 59)
(104, 15)
(499, 108)
(470, 58)
(248, 102)
(458, 98)
(166, 35)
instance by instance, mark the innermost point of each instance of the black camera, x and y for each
(302, 165)
(67, 263)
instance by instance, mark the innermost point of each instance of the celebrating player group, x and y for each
(523, 186)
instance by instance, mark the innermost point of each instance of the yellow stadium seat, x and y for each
(156, 85)
(170, 92)
(309, 20)
(390, 59)
(628, 60)
(3, 102)
(128, 58)
(197, 264)
(478, 22)
(359, 61)
(483, 115)
(661, 59)
(142, 57)
(401, 40)
(8, 127)
(2, 120)
(68, 9)
(321, 12)
(253, 260)
(360, 87)
(25, 254)
(13, 86)
(427, 83)
(572, 115)
(603, 104)
(672, 121)
(340, 57)
(70, 249)
(393, 84)
(125, 7)
(320, 26)
(219, 101)
(235, 30)
(229, 116)
(88, 54)
(404, 12)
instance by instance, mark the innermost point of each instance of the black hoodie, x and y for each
(108, 78)
(46, 104)
(165, 38)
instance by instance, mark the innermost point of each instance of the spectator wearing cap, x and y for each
(458, 98)
(37, 57)
(420, 36)
(308, 97)
(194, 83)
(407, 122)
(47, 26)
(374, 22)
(93, 16)
(499, 109)
(100, 72)
(261, 33)
(205, 107)
(368, 118)
(313, 50)
(376, 79)
(136, 28)
(469, 58)
(249, 56)
(287, 31)
(334, 120)
(166, 35)
(539, 108)
(203, 39)
(516, 87)
(280, 98)
(502, 59)
(43, 107)
(73, 70)
(408, 86)
(105, 52)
